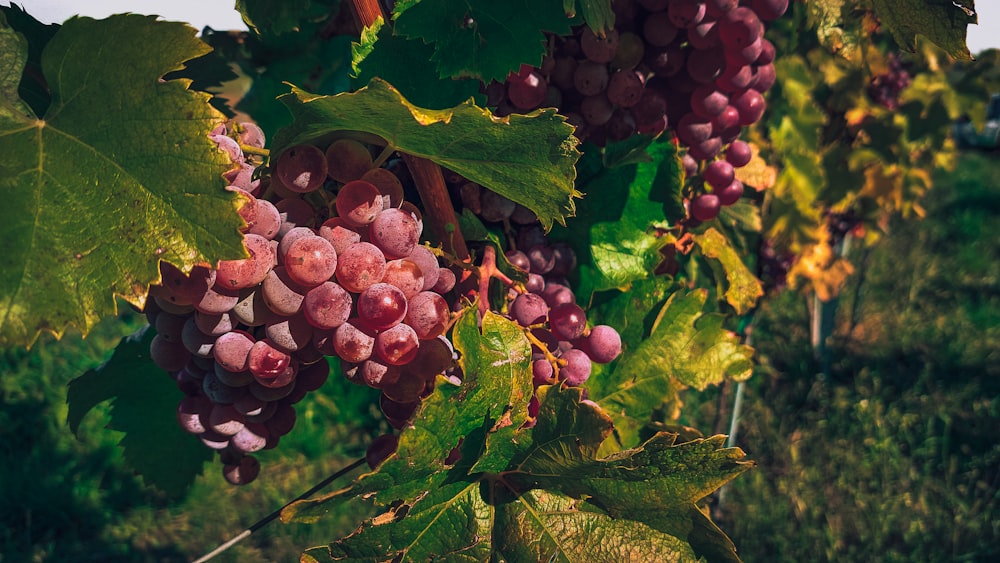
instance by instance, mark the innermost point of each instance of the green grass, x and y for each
(893, 455)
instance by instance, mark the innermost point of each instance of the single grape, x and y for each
(730, 193)
(301, 168)
(526, 88)
(225, 420)
(604, 344)
(708, 102)
(446, 281)
(289, 334)
(251, 309)
(630, 51)
(428, 314)
(251, 438)
(751, 105)
(196, 341)
(590, 78)
(388, 185)
(529, 309)
(567, 321)
(360, 266)
(359, 202)
(740, 27)
(192, 411)
(693, 129)
(339, 233)
(705, 207)
(738, 154)
(281, 293)
(246, 272)
(658, 30)
(625, 88)
(265, 361)
(395, 232)
(268, 220)
(577, 368)
(719, 174)
(310, 261)
(597, 48)
(353, 342)
(541, 372)
(380, 449)
(397, 345)
(347, 160)
(495, 207)
(381, 306)
(769, 10)
(428, 263)
(242, 473)
(231, 350)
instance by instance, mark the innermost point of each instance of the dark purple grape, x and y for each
(380, 449)
(730, 193)
(739, 154)
(625, 88)
(529, 309)
(658, 30)
(590, 78)
(719, 174)
(769, 10)
(740, 27)
(541, 372)
(567, 321)
(526, 89)
(597, 109)
(708, 102)
(705, 207)
(599, 49)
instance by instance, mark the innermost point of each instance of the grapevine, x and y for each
(530, 248)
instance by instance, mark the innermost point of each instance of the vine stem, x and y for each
(274, 515)
(439, 213)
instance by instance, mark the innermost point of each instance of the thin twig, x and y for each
(272, 516)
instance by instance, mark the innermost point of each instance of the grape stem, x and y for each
(383, 156)
(250, 149)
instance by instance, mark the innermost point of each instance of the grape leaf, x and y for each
(527, 158)
(493, 397)
(144, 407)
(945, 22)
(279, 16)
(743, 287)
(837, 27)
(462, 516)
(117, 175)
(686, 348)
(406, 64)
(481, 38)
(33, 90)
(598, 14)
(612, 232)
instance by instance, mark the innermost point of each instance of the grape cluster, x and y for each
(698, 66)
(335, 269)
(839, 224)
(563, 346)
(885, 88)
(774, 266)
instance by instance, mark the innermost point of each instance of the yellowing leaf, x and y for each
(743, 288)
(820, 268)
(757, 174)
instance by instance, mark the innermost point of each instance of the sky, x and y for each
(219, 14)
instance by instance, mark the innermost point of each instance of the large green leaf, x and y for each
(144, 407)
(742, 288)
(944, 22)
(117, 175)
(527, 158)
(547, 503)
(482, 39)
(687, 348)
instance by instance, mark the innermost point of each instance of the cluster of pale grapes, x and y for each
(335, 268)
(697, 67)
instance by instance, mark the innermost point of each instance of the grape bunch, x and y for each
(885, 88)
(699, 67)
(563, 345)
(838, 224)
(335, 268)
